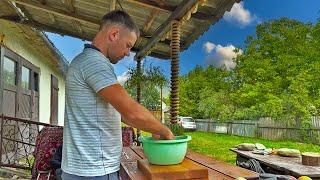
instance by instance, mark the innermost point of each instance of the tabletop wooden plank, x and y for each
(188, 169)
(222, 167)
(292, 165)
(138, 150)
(225, 172)
(129, 167)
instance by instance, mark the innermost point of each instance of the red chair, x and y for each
(48, 140)
(128, 136)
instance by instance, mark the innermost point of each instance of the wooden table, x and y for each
(217, 170)
(285, 165)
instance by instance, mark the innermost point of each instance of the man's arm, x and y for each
(132, 112)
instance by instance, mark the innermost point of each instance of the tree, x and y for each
(198, 87)
(150, 79)
(277, 73)
(277, 76)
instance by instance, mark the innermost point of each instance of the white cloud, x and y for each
(239, 15)
(208, 47)
(123, 78)
(222, 56)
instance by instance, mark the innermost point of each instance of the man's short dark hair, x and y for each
(121, 18)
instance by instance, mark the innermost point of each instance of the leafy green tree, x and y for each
(151, 79)
(197, 87)
(150, 96)
(276, 75)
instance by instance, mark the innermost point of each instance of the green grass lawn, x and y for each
(217, 145)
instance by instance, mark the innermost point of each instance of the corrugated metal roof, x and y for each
(80, 18)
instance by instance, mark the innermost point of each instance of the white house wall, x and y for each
(16, 41)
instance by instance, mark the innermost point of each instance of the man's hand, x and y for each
(166, 135)
(156, 137)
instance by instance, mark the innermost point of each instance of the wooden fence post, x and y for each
(1, 138)
(256, 134)
(208, 125)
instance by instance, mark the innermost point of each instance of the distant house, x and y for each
(32, 70)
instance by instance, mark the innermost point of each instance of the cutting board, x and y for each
(185, 170)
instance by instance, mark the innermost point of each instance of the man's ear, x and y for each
(114, 34)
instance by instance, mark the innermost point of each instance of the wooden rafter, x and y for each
(153, 5)
(76, 24)
(147, 25)
(112, 5)
(78, 27)
(150, 20)
(17, 10)
(167, 8)
(161, 2)
(180, 11)
(70, 32)
(70, 6)
(58, 12)
(53, 19)
(44, 2)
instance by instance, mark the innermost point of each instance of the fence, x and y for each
(264, 128)
(17, 139)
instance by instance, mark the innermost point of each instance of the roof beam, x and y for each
(78, 27)
(112, 5)
(70, 5)
(168, 9)
(55, 11)
(72, 10)
(53, 20)
(180, 11)
(36, 25)
(70, 32)
(17, 10)
(70, 15)
(58, 12)
(147, 25)
(44, 2)
(150, 20)
(152, 4)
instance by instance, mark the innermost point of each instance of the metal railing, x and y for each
(18, 140)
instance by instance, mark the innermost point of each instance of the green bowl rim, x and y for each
(148, 139)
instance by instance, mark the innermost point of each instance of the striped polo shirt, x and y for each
(92, 141)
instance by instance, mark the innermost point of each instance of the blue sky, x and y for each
(217, 44)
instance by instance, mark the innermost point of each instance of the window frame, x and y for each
(20, 62)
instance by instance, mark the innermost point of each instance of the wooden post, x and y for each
(138, 94)
(1, 138)
(161, 103)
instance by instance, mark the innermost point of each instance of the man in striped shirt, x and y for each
(94, 101)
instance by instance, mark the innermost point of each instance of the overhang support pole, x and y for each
(138, 94)
(175, 52)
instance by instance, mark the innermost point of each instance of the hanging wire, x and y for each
(120, 5)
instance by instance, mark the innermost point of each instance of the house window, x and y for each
(9, 71)
(20, 87)
(25, 78)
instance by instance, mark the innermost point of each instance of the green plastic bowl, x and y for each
(165, 152)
